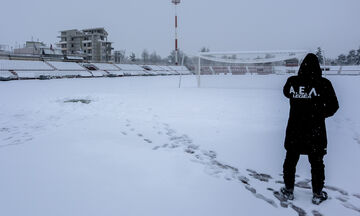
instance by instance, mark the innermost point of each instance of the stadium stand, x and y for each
(180, 70)
(18, 65)
(261, 70)
(22, 69)
(106, 67)
(7, 75)
(131, 70)
(116, 73)
(264, 70)
(70, 74)
(155, 70)
(169, 71)
(66, 66)
(220, 69)
(205, 70)
(99, 73)
(89, 66)
(238, 70)
(32, 74)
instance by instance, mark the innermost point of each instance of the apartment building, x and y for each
(92, 43)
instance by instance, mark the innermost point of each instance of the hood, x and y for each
(310, 67)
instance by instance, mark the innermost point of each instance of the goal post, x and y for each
(248, 62)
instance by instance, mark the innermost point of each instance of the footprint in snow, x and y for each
(228, 172)
(357, 195)
(357, 139)
(148, 141)
(259, 176)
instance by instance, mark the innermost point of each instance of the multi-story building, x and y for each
(92, 43)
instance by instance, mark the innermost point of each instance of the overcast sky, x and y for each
(222, 25)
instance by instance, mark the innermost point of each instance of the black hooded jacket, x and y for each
(312, 99)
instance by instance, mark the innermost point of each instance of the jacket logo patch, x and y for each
(301, 93)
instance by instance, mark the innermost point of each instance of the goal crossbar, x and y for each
(249, 57)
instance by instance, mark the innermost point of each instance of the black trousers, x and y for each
(317, 170)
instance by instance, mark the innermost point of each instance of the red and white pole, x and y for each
(176, 35)
(176, 2)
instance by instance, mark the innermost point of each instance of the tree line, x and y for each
(352, 58)
(151, 58)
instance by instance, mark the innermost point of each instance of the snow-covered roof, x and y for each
(66, 66)
(23, 65)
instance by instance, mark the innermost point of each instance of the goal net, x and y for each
(211, 65)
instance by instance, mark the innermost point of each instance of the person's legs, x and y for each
(289, 169)
(317, 172)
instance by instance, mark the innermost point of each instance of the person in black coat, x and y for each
(312, 99)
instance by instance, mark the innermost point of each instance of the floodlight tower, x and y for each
(176, 2)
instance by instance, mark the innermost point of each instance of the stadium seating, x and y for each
(61, 74)
(106, 67)
(66, 66)
(116, 73)
(238, 70)
(6, 75)
(18, 65)
(156, 69)
(99, 73)
(180, 70)
(206, 70)
(130, 67)
(20, 69)
(22, 74)
(220, 69)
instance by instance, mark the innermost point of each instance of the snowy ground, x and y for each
(142, 146)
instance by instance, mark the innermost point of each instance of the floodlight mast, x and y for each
(176, 2)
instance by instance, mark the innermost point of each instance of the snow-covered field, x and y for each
(142, 146)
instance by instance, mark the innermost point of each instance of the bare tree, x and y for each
(155, 58)
(145, 56)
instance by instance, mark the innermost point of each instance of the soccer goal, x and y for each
(247, 63)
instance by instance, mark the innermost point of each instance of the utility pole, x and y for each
(176, 2)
